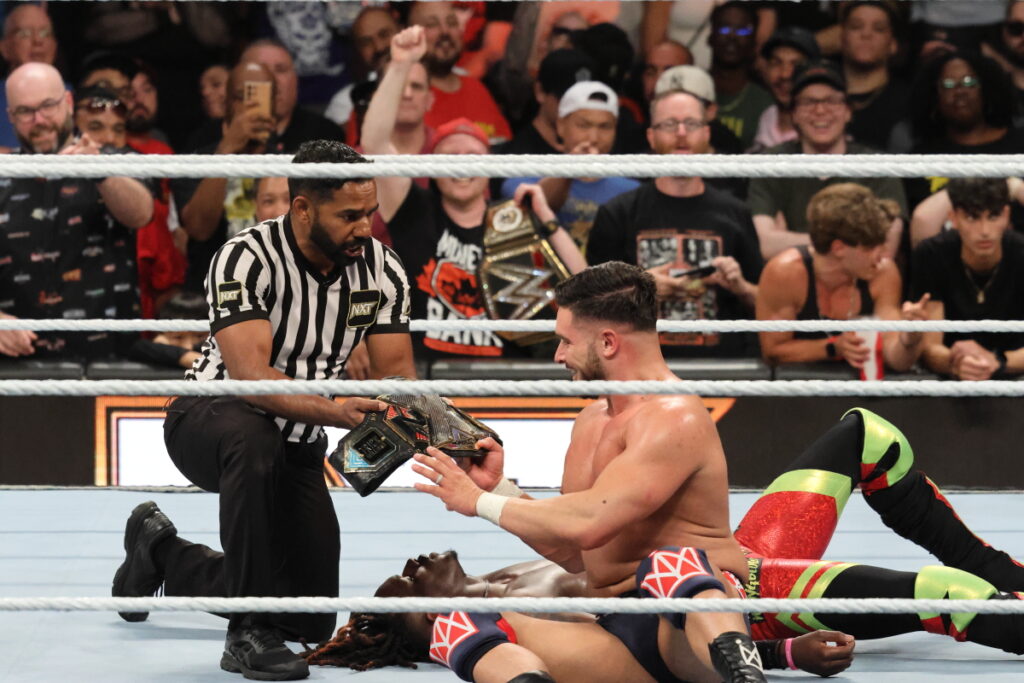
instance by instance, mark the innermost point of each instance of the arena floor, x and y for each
(68, 543)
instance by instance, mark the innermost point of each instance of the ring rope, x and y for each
(339, 387)
(147, 325)
(527, 605)
(506, 166)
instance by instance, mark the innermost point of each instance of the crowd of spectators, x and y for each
(684, 77)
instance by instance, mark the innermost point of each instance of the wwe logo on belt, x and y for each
(526, 289)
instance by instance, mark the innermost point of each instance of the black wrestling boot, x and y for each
(138, 576)
(259, 653)
(735, 658)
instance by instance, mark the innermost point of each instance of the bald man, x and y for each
(66, 242)
(28, 37)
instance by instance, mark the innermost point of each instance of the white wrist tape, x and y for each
(489, 507)
(508, 489)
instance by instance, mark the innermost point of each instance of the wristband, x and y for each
(489, 507)
(830, 347)
(507, 489)
(1001, 359)
(548, 228)
(789, 655)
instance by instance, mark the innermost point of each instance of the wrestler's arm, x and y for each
(504, 662)
(900, 349)
(662, 450)
(245, 347)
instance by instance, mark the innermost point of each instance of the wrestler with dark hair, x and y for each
(644, 511)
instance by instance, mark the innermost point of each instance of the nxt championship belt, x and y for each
(519, 270)
(371, 452)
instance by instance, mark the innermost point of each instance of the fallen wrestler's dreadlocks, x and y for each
(368, 641)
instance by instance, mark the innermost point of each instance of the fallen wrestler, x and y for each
(644, 509)
(566, 643)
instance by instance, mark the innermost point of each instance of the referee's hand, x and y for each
(355, 408)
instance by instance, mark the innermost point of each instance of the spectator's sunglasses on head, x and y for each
(98, 105)
(1014, 28)
(740, 32)
(47, 108)
(965, 82)
(124, 93)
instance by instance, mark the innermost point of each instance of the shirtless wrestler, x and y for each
(844, 275)
(645, 505)
(621, 486)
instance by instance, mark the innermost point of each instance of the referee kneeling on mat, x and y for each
(289, 299)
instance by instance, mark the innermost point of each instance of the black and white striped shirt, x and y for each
(316, 319)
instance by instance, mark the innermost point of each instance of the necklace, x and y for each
(981, 291)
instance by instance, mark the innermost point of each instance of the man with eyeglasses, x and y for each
(698, 242)
(821, 115)
(28, 37)
(740, 101)
(66, 244)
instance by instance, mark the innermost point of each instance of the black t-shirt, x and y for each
(939, 271)
(876, 113)
(62, 255)
(649, 228)
(441, 261)
(526, 140)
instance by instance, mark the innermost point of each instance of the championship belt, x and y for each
(519, 270)
(384, 440)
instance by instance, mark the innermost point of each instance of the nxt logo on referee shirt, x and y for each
(229, 293)
(362, 307)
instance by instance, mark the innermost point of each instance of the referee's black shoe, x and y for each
(138, 576)
(736, 659)
(258, 652)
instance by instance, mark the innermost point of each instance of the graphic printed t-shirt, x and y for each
(441, 260)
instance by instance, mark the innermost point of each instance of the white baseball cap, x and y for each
(688, 78)
(588, 95)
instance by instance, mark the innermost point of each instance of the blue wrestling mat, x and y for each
(68, 543)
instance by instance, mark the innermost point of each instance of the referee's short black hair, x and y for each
(611, 292)
(323, 151)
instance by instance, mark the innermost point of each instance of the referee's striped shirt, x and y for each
(316, 319)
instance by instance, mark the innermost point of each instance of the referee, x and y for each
(289, 299)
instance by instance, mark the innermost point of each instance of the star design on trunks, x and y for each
(525, 290)
(670, 569)
(448, 632)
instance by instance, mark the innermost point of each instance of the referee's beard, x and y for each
(341, 254)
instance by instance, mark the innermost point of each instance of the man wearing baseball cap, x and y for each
(587, 116)
(783, 52)
(821, 114)
(438, 231)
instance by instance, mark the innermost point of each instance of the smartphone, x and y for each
(262, 94)
(702, 271)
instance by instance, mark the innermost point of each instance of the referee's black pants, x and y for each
(278, 526)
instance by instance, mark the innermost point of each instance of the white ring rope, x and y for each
(508, 166)
(340, 387)
(144, 325)
(528, 605)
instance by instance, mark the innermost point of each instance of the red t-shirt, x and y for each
(473, 101)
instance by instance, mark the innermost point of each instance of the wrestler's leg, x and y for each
(809, 579)
(797, 515)
(719, 640)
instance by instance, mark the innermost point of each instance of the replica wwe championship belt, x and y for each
(368, 454)
(519, 270)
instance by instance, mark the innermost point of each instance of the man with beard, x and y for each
(288, 299)
(143, 135)
(733, 50)
(28, 37)
(66, 246)
(454, 95)
(643, 490)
